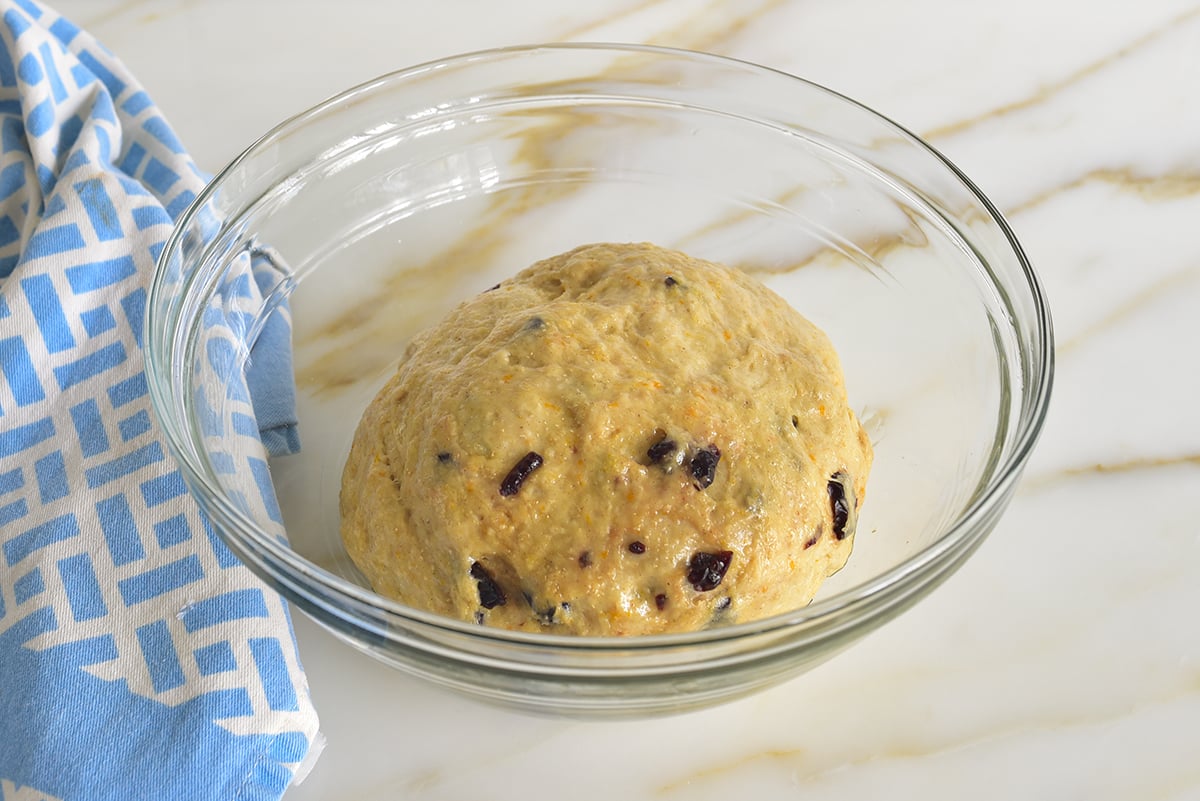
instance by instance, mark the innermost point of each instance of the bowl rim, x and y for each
(965, 531)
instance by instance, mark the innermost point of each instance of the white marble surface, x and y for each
(1063, 662)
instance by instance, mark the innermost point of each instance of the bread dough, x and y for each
(618, 440)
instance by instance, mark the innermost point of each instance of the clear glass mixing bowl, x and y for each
(388, 204)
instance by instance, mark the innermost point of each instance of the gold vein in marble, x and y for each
(1049, 90)
(868, 255)
(788, 756)
(1173, 788)
(1155, 188)
(580, 32)
(1130, 306)
(388, 315)
(805, 771)
(424, 780)
(384, 317)
(704, 31)
(802, 769)
(737, 217)
(1041, 482)
(712, 30)
(111, 14)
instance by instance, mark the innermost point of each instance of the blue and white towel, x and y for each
(138, 658)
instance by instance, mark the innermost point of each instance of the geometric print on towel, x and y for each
(113, 586)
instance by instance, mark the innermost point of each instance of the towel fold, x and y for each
(138, 658)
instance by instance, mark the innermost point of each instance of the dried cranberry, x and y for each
(706, 570)
(637, 546)
(838, 505)
(660, 601)
(521, 471)
(490, 594)
(704, 466)
(670, 280)
(661, 449)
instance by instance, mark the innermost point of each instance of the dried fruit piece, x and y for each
(490, 593)
(660, 601)
(661, 449)
(838, 505)
(706, 570)
(585, 559)
(444, 457)
(637, 546)
(704, 466)
(521, 471)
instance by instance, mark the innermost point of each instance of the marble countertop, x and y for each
(1063, 661)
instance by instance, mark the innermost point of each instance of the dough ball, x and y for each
(618, 440)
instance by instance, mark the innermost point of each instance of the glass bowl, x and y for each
(369, 216)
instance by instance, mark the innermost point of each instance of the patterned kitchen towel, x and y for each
(138, 658)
